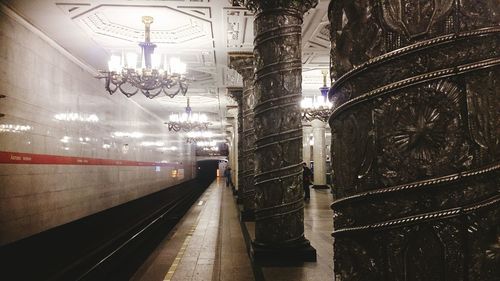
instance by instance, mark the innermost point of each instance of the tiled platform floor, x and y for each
(208, 244)
(318, 226)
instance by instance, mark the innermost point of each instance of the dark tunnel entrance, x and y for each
(206, 170)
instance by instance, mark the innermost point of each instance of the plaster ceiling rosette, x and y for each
(171, 27)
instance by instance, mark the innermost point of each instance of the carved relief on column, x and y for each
(415, 140)
(236, 93)
(243, 63)
(278, 172)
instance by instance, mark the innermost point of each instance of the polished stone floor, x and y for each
(318, 226)
(209, 244)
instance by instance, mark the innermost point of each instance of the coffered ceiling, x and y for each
(199, 32)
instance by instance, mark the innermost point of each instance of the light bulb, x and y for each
(114, 63)
(184, 117)
(195, 117)
(176, 66)
(181, 68)
(306, 103)
(131, 60)
(155, 61)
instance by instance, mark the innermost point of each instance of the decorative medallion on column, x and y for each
(279, 215)
(416, 139)
(243, 63)
(236, 93)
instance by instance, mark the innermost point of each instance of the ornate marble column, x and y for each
(279, 215)
(235, 155)
(416, 139)
(319, 154)
(233, 150)
(243, 63)
(306, 147)
(236, 93)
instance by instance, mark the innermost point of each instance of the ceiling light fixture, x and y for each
(153, 77)
(197, 136)
(187, 121)
(73, 116)
(317, 107)
(134, 135)
(209, 143)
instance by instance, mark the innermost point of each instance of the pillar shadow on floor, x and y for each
(322, 186)
(292, 256)
(246, 215)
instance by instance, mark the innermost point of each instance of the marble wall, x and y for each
(67, 148)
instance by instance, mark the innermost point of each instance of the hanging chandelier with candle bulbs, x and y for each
(317, 107)
(198, 136)
(187, 121)
(152, 75)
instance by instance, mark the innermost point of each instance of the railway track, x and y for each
(110, 245)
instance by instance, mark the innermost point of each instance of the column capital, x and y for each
(243, 63)
(229, 119)
(236, 93)
(316, 123)
(258, 6)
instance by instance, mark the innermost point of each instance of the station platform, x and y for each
(210, 243)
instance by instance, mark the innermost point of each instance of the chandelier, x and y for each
(187, 121)
(199, 136)
(154, 76)
(317, 107)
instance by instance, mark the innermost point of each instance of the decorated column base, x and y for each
(247, 215)
(295, 252)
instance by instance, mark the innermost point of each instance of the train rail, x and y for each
(110, 245)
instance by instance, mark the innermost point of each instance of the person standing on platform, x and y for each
(306, 181)
(227, 175)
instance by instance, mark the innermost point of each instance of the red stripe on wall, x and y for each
(30, 158)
